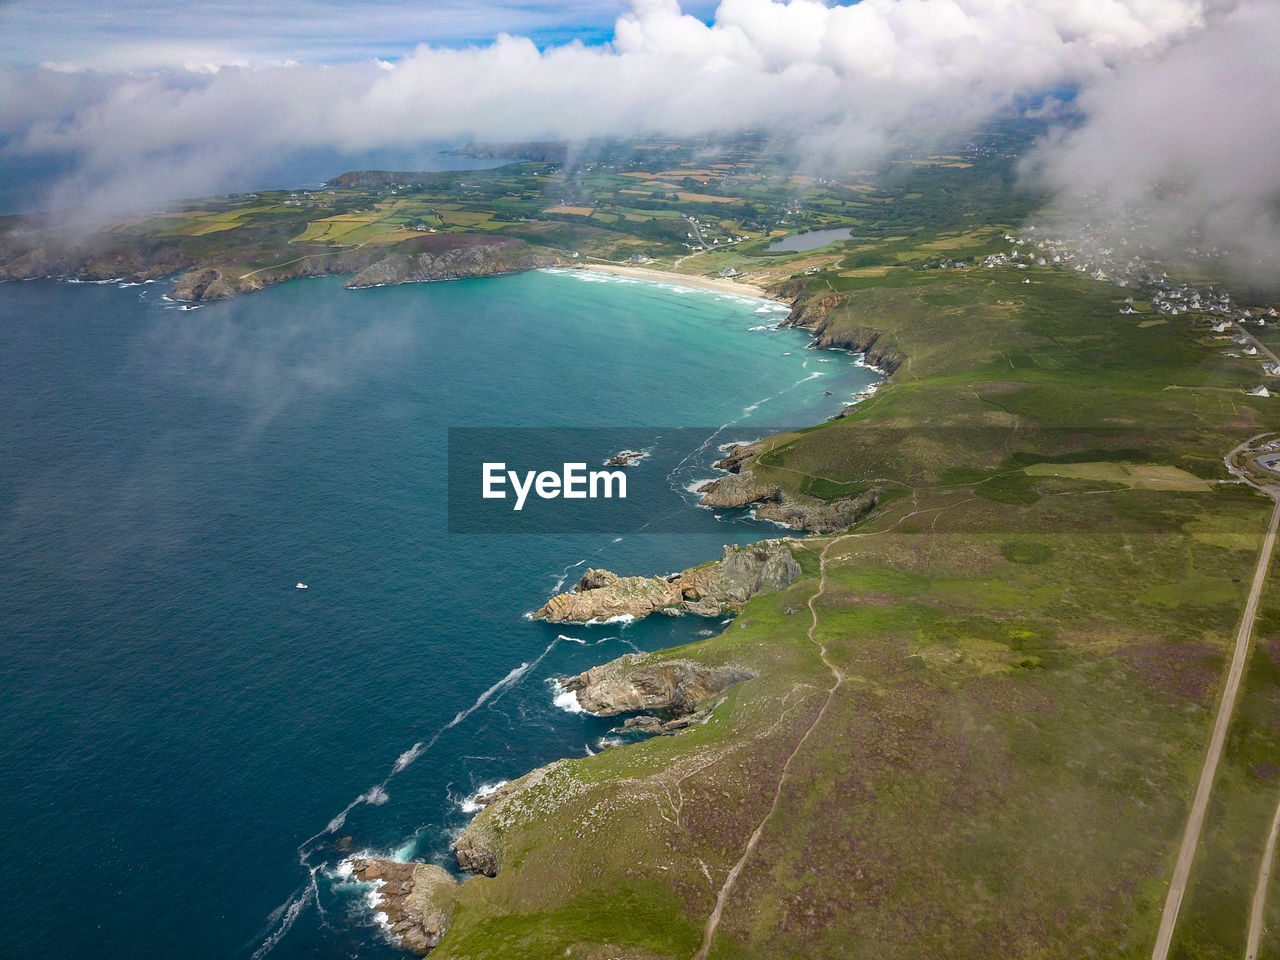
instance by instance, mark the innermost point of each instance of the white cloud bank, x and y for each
(858, 77)
(1189, 142)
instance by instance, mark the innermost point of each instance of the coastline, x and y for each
(695, 281)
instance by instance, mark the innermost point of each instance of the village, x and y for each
(1090, 252)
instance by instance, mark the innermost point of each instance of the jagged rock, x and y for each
(743, 572)
(706, 591)
(594, 579)
(809, 513)
(416, 898)
(601, 595)
(733, 460)
(736, 490)
(741, 488)
(493, 796)
(626, 458)
(650, 724)
(644, 722)
(627, 686)
(475, 855)
(702, 608)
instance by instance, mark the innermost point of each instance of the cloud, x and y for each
(1185, 144)
(853, 77)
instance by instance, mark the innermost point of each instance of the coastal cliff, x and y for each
(820, 315)
(447, 256)
(708, 590)
(680, 688)
(203, 275)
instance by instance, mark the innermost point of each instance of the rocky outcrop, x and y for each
(650, 724)
(631, 685)
(536, 794)
(417, 899)
(821, 516)
(742, 572)
(742, 488)
(454, 257)
(736, 490)
(205, 284)
(709, 590)
(601, 595)
(475, 855)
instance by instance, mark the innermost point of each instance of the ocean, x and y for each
(192, 743)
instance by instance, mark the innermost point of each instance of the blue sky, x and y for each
(131, 34)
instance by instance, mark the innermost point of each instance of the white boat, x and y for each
(301, 585)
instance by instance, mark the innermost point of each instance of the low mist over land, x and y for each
(1149, 94)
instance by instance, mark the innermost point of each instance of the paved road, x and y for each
(1258, 911)
(1195, 820)
(1262, 348)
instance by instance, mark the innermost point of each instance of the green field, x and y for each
(979, 716)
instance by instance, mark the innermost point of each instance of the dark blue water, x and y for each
(181, 726)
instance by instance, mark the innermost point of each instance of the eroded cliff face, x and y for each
(416, 898)
(816, 314)
(710, 590)
(629, 685)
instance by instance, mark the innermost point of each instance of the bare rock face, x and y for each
(601, 595)
(475, 855)
(706, 591)
(627, 686)
(206, 284)
(417, 899)
(742, 573)
(740, 488)
(820, 515)
(736, 490)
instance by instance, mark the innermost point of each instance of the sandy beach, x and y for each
(684, 279)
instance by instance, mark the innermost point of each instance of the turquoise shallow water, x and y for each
(182, 725)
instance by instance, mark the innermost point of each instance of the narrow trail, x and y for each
(1200, 805)
(1258, 911)
(726, 888)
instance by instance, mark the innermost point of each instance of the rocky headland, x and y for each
(632, 684)
(455, 257)
(417, 899)
(743, 488)
(819, 315)
(447, 256)
(681, 692)
(709, 590)
(204, 275)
